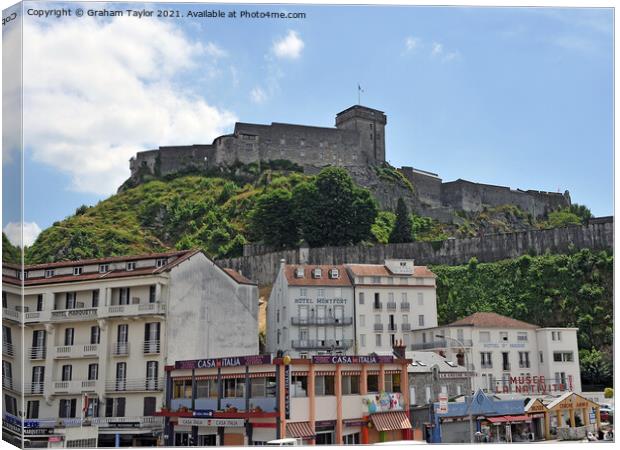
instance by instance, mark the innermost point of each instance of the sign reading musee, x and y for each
(343, 359)
(211, 422)
(234, 361)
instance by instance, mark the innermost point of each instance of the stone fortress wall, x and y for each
(357, 143)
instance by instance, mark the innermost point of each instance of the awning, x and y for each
(518, 418)
(395, 420)
(299, 430)
(499, 419)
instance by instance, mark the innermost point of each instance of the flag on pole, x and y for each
(359, 92)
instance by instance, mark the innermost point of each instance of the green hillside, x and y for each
(10, 253)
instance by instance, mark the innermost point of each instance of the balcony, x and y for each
(337, 321)
(73, 386)
(135, 385)
(37, 352)
(524, 364)
(8, 349)
(377, 306)
(69, 315)
(328, 344)
(7, 383)
(120, 349)
(151, 347)
(11, 314)
(506, 366)
(36, 316)
(133, 310)
(392, 327)
(391, 306)
(405, 327)
(486, 365)
(443, 343)
(378, 327)
(405, 306)
(77, 351)
(34, 388)
(143, 421)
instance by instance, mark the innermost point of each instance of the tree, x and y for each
(595, 367)
(581, 211)
(10, 252)
(401, 232)
(384, 223)
(273, 220)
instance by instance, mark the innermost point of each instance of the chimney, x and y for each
(282, 263)
(399, 349)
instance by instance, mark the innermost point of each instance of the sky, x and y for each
(519, 97)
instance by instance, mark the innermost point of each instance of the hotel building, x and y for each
(97, 335)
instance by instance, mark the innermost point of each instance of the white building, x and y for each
(310, 311)
(349, 309)
(99, 333)
(391, 300)
(508, 355)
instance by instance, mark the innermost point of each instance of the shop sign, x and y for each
(443, 404)
(287, 391)
(211, 422)
(54, 439)
(324, 424)
(321, 301)
(537, 416)
(355, 423)
(214, 363)
(384, 402)
(203, 413)
(532, 384)
(344, 359)
(592, 417)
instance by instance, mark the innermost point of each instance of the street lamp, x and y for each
(471, 398)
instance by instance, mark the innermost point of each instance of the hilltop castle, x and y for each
(357, 143)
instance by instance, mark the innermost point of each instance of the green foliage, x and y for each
(10, 252)
(609, 392)
(273, 219)
(383, 225)
(423, 228)
(596, 367)
(393, 175)
(561, 218)
(401, 232)
(581, 211)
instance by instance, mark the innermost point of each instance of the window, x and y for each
(103, 268)
(377, 340)
(524, 360)
(40, 302)
(299, 386)
(556, 336)
(278, 315)
(204, 389)
(7, 372)
(95, 298)
(485, 336)
(49, 273)
(403, 297)
(362, 320)
(69, 336)
(377, 301)
(66, 408)
(183, 389)
(7, 338)
(161, 262)
(93, 371)
(405, 319)
(350, 384)
(563, 356)
(234, 388)
(316, 273)
(152, 368)
(362, 340)
(303, 292)
(131, 265)
(391, 297)
(421, 320)
(334, 273)
(428, 394)
(560, 378)
(522, 336)
(70, 300)
(121, 376)
(540, 357)
(299, 272)
(372, 382)
(263, 387)
(361, 298)
(324, 385)
(115, 407)
(152, 293)
(123, 296)
(67, 372)
(151, 337)
(150, 406)
(485, 360)
(503, 336)
(95, 335)
(77, 271)
(376, 280)
(32, 409)
(351, 439)
(122, 332)
(320, 293)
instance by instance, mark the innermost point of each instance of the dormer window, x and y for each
(299, 272)
(103, 268)
(334, 274)
(77, 270)
(316, 273)
(161, 262)
(131, 265)
(49, 273)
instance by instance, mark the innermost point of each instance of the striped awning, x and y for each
(324, 372)
(394, 420)
(299, 430)
(509, 419)
(392, 371)
(346, 373)
(300, 374)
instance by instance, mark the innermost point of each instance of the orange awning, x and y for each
(395, 420)
(299, 430)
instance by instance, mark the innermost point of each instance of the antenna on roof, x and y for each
(359, 93)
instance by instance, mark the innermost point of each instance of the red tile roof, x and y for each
(491, 320)
(380, 270)
(238, 277)
(111, 259)
(307, 280)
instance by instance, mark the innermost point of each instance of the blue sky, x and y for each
(519, 97)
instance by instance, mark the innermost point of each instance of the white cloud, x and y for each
(451, 56)
(11, 91)
(289, 47)
(411, 43)
(258, 95)
(13, 232)
(437, 48)
(98, 92)
(213, 50)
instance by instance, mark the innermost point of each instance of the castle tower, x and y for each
(370, 123)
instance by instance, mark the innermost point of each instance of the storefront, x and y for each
(537, 412)
(572, 415)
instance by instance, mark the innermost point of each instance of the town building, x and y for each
(327, 399)
(508, 355)
(98, 334)
(348, 309)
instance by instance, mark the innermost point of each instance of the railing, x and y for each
(7, 383)
(134, 309)
(74, 314)
(134, 384)
(35, 387)
(151, 347)
(378, 327)
(405, 306)
(37, 352)
(323, 344)
(8, 349)
(77, 351)
(443, 343)
(11, 314)
(524, 364)
(120, 349)
(391, 306)
(392, 327)
(377, 306)
(486, 365)
(405, 327)
(321, 320)
(143, 421)
(505, 366)
(36, 316)
(73, 386)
